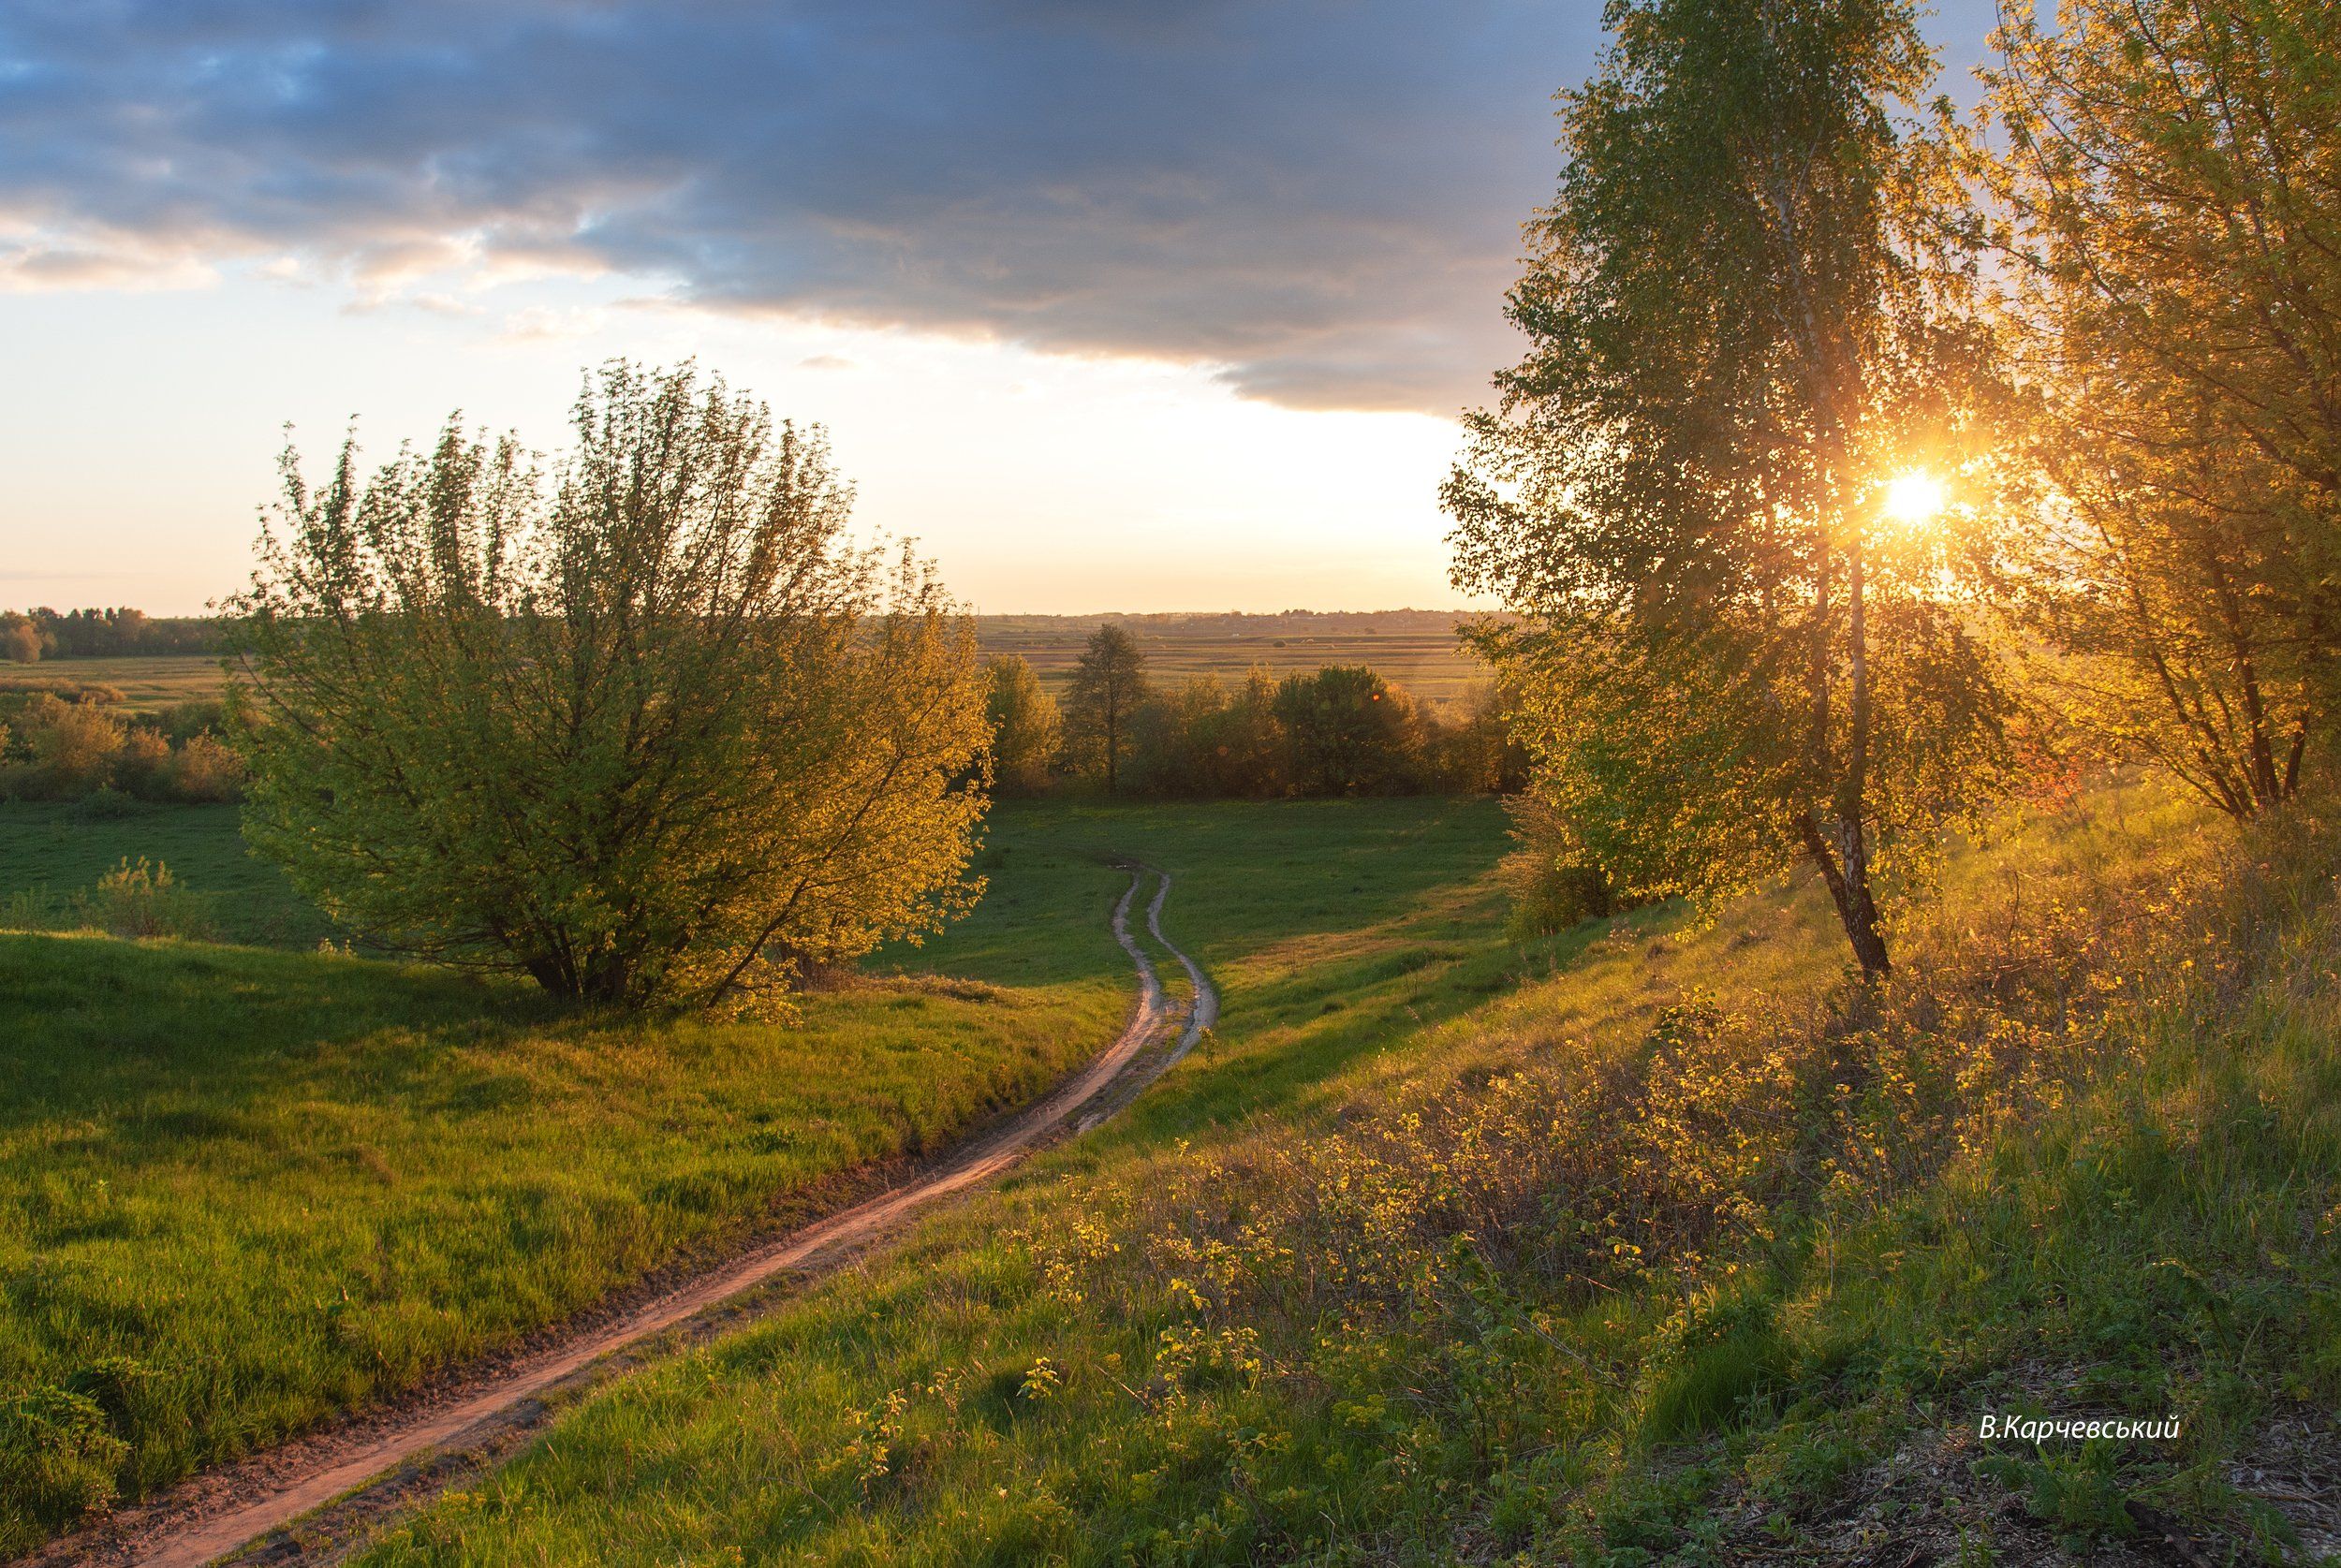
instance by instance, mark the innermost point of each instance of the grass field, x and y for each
(245, 1188)
(1637, 1242)
(1644, 1239)
(146, 685)
(50, 851)
(240, 1189)
(1423, 658)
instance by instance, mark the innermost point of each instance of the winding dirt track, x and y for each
(316, 1500)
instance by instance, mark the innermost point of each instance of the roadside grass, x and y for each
(243, 1189)
(1655, 1238)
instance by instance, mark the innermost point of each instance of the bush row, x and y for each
(1343, 729)
(52, 748)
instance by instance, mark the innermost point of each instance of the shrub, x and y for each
(72, 746)
(206, 768)
(145, 900)
(1549, 881)
(57, 1462)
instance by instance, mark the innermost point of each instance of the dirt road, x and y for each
(316, 1500)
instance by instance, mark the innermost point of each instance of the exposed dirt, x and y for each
(316, 1500)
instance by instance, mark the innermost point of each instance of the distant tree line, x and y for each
(1343, 729)
(27, 636)
(75, 742)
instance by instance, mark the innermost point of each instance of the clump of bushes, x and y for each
(79, 744)
(1549, 882)
(1340, 730)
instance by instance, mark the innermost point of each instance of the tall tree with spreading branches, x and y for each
(1730, 649)
(647, 727)
(1108, 688)
(2167, 186)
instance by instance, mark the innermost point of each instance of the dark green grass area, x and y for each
(48, 851)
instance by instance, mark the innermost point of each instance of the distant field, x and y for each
(146, 685)
(1417, 651)
(1429, 665)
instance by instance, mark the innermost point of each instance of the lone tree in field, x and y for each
(1109, 684)
(1729, 650)
(647, 729)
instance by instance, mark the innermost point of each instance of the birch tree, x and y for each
(1740, 488)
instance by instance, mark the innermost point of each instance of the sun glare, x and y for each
(1914, 499)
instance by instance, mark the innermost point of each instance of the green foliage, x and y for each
(1741, 328)
(73, 742)
(655, 733)
(1338, 730)
(1349, 732)
(1026, 729)
(1101, 704)
(1549, 881)
(2165, 182)
(58, 1460)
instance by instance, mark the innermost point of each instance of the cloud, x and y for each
(1319, 200)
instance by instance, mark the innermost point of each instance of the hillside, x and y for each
(1649, 1239)
(242, 1189)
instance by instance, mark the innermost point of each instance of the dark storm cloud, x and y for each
(1321, 196)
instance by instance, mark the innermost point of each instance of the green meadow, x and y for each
(1451, 1247)
(1649, 1239)
(243, 1188)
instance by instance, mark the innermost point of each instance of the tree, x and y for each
(1109, 684)
(1241, 744)
(2169, 196)
(1025, 727)
(20, 640)
(645, 728)
(1349, 732)
(1725, 653)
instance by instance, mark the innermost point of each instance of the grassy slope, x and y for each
(240, 1189)
(1584, 1249)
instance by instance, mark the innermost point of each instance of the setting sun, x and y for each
(1915, 498)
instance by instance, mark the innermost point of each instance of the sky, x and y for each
(1158, 305)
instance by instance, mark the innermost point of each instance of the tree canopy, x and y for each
(2166, 189)
(1724, 651)
(645, 724)
(1108, 687)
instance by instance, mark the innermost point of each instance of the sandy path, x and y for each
(342, 1485)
